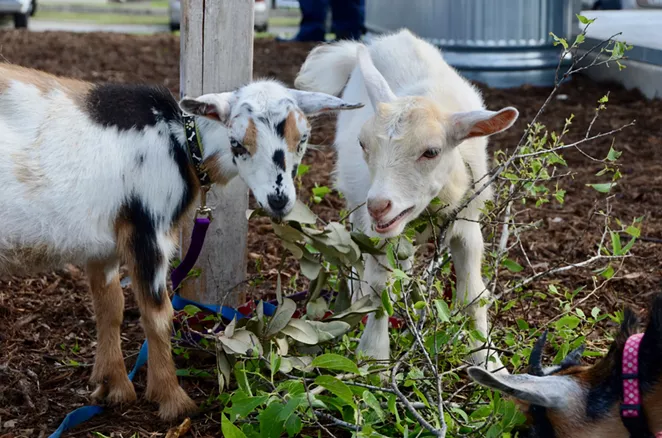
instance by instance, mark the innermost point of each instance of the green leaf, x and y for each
(309, 268)
(243, 405)
(336, 387)
(633, 231)
(373, 404)
(569, 321)
(302, 169)
(608, 272)
(390, 255)
(230, 430)
(579, 39)
(301, 331)
(595, 312)
(336, 362)
(301, 214)
(603, 187)
(616, 243)
(522, 325)
(293, 425)
(584, 20)
(282, 317)
(613, 154)
(419, 305)
(386, 302)
(558, 41)
(604, 99)
(292, 404)
(443, 312)
(321, 191)
(512, 265)
(270, 425)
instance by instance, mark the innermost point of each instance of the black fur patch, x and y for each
(181, 158)
(279, 180)
(131, 106)
(148, 256)
(279, 159)
(280, 128)
(295, 169)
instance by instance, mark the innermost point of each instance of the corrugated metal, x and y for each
(501, 42)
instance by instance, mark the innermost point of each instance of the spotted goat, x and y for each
(618, 397)
(99, 175)
(423, 136)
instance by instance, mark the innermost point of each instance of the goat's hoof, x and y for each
(117, 392)
(173, 405)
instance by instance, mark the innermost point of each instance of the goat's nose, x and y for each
(277, 202)
(378, 207)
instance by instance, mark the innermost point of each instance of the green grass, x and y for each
(100, 18)
(284, 21)
(154, 4)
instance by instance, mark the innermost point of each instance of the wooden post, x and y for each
(217, 56)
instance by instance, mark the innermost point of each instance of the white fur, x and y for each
(66, 177)
(398, 70)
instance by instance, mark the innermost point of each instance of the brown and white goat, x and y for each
(423, 136)
(97, 175)
(574, 401)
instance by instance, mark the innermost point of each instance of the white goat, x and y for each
(423, 136)
(97, 175)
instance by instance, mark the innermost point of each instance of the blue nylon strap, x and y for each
(84, 413)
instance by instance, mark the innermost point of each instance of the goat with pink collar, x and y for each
(423, 136)
(618, 397)
(98, 175)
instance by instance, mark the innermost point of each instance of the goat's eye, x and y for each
(362, 145)
(430, 153)
(237, 148)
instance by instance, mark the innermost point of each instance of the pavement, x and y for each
(70, 26)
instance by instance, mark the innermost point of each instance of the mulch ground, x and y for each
(47, 332)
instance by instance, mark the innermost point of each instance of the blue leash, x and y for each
(84, 413)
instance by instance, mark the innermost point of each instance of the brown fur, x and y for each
(250, 138)
(44, 82)
(109, 372)
(156, 319)
(292, 134)
(213, 168)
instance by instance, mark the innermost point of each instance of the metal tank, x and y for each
(502, 43)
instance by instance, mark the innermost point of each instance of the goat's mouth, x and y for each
(385, 227)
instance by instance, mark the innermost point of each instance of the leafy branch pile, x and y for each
(298, 374)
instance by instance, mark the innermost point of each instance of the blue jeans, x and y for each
(348, 17)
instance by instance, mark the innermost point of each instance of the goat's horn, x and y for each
(535, 359)
(573, 357)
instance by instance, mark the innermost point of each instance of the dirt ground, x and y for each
(47, 333)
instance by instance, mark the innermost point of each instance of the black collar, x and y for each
(195, 149)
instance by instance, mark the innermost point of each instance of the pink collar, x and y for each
(631, 409)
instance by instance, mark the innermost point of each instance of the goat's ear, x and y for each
(378, 89)
(549, 391)
(214, 106)
(312, 103)
(481, 123)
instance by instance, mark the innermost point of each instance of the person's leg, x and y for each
(348, 18)
(313, 17)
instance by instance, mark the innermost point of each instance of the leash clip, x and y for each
(203, 209)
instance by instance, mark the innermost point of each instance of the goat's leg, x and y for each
(466, 244)
(109, 372)
(148, 264)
